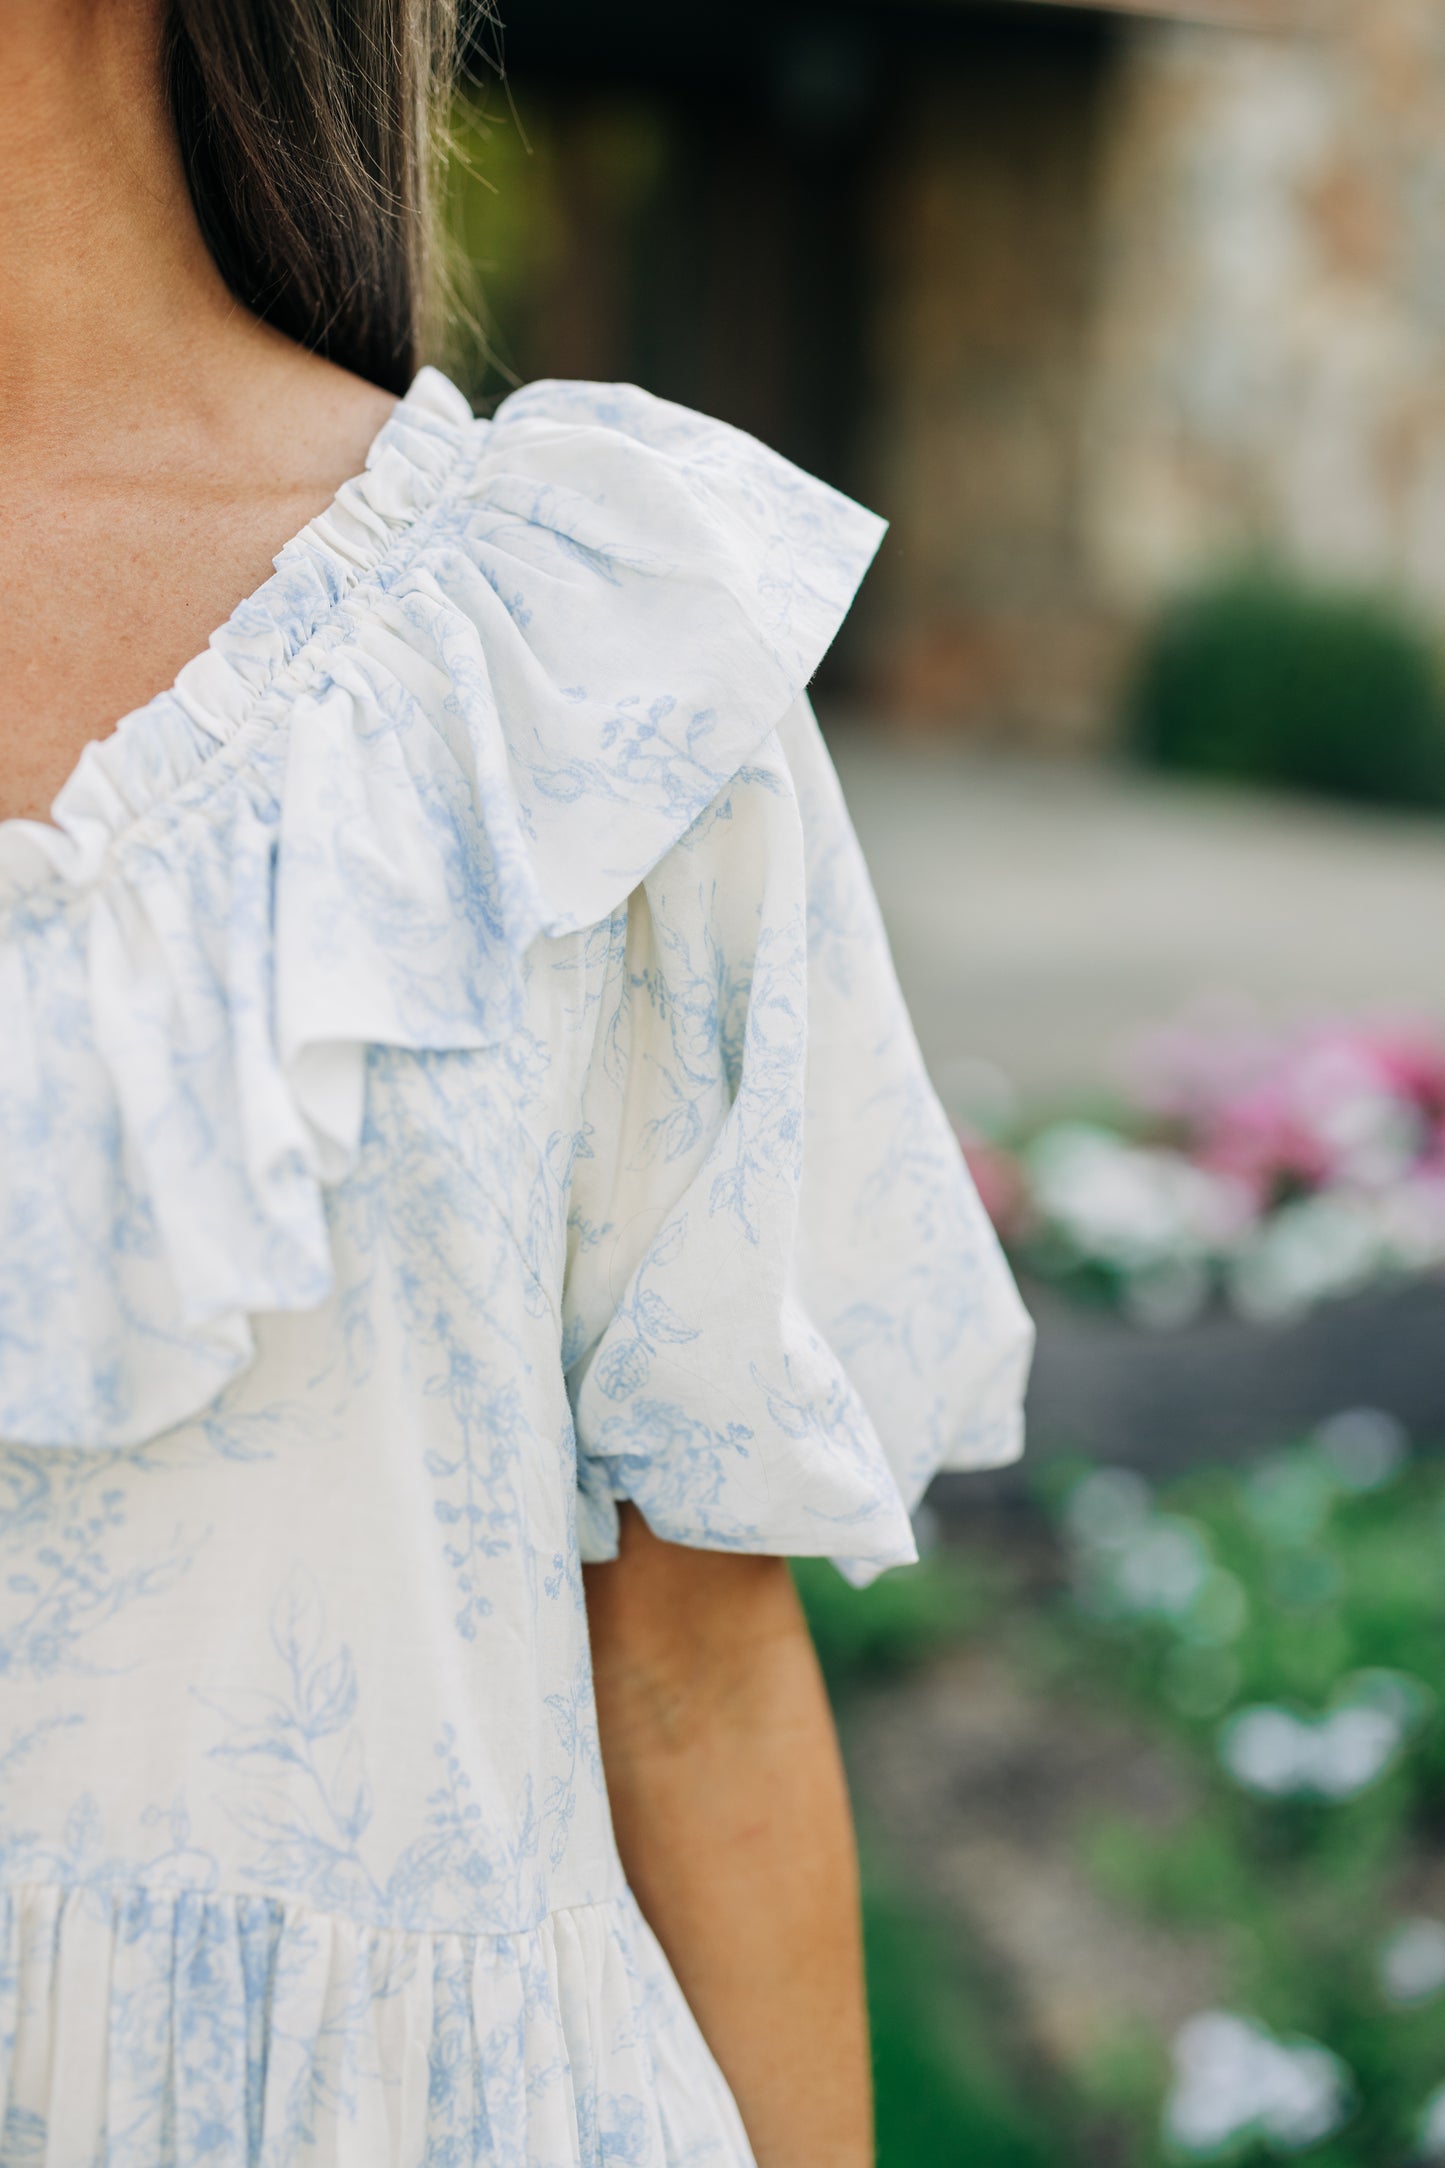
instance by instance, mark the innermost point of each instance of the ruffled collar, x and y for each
(170, 739)
(479, 699)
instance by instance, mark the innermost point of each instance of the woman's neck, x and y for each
(105, 281)
(158, 444)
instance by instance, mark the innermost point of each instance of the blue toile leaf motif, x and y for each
(623, 1369)
(330, 1696)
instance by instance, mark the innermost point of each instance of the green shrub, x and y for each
(900, 1620)
(947, 2089)
(1262, 679)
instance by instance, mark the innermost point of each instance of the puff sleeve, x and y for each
(784, 1307)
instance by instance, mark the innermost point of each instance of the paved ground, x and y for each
(1042, 913)
(991, 1793)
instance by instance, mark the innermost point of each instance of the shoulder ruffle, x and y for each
(479, 699)
(785, 1309)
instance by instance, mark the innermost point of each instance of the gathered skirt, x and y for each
(166, 2028)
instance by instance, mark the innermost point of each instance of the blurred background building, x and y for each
(1085, 298)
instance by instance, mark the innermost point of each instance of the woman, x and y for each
(458, 1122)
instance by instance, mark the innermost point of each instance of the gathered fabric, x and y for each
(231, 2030)
(453, 1081)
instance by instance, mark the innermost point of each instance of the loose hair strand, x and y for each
(308, 131)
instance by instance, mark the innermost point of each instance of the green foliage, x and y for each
(1297, 1895)
(944, 2093)
(945, 2090)
(1301, 1892)
(898, 1620)
(1261, 679)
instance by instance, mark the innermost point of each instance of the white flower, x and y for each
(1328, 1244)
(1233, 2079)
(1268, 1750)
(1431, 2139)
(1280, 1755)
(1107, 1506)
(1162, 1569)
(1374, 1136)
(1411, 1219)
(1353, 1747)
(1138, 1563)
(1132, 1206)
(1412, 1966)
(1363, 1447)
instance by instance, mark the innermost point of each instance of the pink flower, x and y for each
(1292, 1112)
(1000, 1183)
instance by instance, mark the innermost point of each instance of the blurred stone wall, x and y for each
(981, 252)
(1137, 320)
(1086, 299)
(1267, 352)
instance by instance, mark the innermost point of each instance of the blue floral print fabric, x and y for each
(452, 1080)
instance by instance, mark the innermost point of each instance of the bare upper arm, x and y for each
(680, 1634)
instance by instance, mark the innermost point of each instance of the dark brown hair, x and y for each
(308, 131)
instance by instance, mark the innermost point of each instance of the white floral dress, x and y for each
(451, 1078)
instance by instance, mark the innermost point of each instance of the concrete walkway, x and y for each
(1043, 914)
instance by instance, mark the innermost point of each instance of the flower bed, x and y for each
(1275, 1634)
(1286, 1626)
(1269, 1171)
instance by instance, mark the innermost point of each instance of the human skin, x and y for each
(158, 445)
(733, 1823)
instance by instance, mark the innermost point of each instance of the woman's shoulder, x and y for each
(589, 607)
(631, 547)
(677, 519)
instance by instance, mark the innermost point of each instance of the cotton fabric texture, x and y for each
(452, 1078)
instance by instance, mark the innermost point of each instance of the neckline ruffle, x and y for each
(169, 739)
(480, 698)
